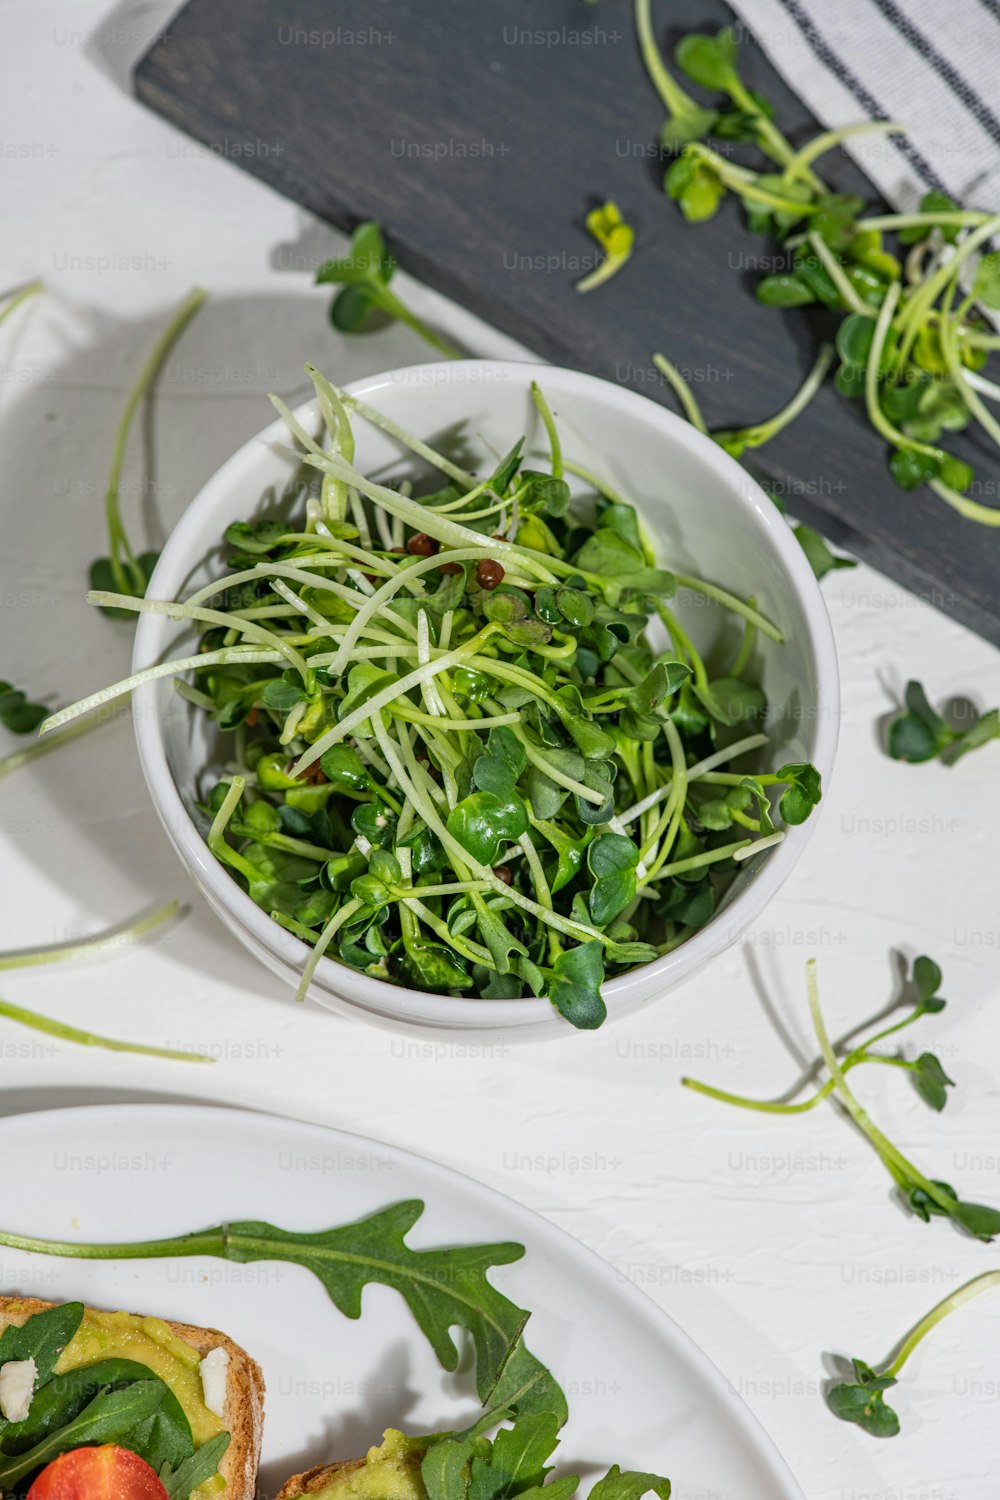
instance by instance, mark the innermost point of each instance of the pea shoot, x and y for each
(923, 1196)
(863, 1400)
(920, 734)
(737, 440)
(468, 746)
(914, 332)
(615, 238)
(363, 276)
(123, 570)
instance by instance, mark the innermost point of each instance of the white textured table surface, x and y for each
(771, 1241)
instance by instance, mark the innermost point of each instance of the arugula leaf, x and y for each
(161, 1437)
(202, 1465)
(442, 1288)
(516, 1461)
(629, 1484)
(444, 1468)
(42, 1337)
(526, 1386)
(110, 1417)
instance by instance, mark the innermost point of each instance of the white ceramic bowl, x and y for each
(705, 515)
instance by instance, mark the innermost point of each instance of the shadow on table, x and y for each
(82, 815)
(33, 1100)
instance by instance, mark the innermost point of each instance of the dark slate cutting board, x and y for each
(479, 132)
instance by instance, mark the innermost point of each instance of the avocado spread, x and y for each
(150, 1342)
(389, 1472)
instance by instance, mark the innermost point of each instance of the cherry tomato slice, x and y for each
(106, 1473)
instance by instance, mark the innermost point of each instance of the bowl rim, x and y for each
(394, 1002)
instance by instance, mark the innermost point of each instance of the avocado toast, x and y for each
(469, 1466)
(389, 1472)
(189, 1401)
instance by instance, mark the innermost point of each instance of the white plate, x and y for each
(640, 1393)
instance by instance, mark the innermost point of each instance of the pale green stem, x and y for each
(900, 1168)
(956, 1299)
(731, 602)
(148, 674)
(682, 390)
(19, 298)
(323, 942)
(18, 758)
(556, 463)
(120, 545)
(64, 1033)
(826, 141)
(102, 942)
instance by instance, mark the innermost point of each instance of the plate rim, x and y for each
(563, 1241)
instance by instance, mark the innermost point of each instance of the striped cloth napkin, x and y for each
(931, 64)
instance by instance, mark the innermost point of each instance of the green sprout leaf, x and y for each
(863, 1402)
(731, 700)
(497, 771)
(612, 860)
(986, 285)
(931, 1080)
(575, 989)
(364, 275)
(802, 792)
(920, 734)
(695, 187)
(484, 821)
(710, 60)
(818, 554)
(615, 238)
(16, 713)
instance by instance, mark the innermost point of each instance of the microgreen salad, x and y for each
(457, 756)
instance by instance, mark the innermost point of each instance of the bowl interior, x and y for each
(705, 517)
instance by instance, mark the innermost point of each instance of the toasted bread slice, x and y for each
(243, 1413)
(313, 1480)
